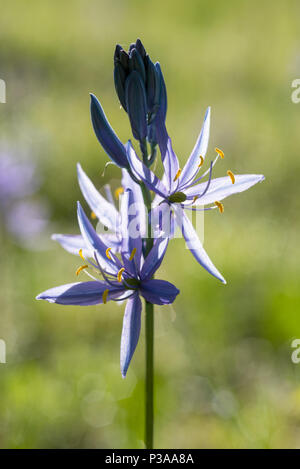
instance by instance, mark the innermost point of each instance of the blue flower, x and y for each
(182, 189)
(126, 278)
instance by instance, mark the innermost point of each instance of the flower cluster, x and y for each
(123, 259)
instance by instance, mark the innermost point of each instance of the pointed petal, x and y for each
(194, 244)
(131, 234)
(80, 294)
(106, 135)
(94, 242)
(105, 211)
(222, 187)
(72, 244)
(154, 258)
(145, 174)
(159, 292)
(128, 183)
(191, 167)
(130, 332)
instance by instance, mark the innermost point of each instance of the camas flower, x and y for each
(127, 277)
(182, 189)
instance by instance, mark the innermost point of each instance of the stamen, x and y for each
(93, 216)
(81, 255)
(81, 268)
(132, 254)
(104, 296)
(119, 276)
(220, 206)
(107, 254)
(231, 175)
(195, 198)
(201, 161)
(220, 152)
(118, 192)
(177, 175)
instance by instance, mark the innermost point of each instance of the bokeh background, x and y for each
(224, 375)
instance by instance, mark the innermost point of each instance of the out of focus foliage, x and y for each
(224, 376)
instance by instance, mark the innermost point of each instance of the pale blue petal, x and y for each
(73, 244)
(94, 242)
(159, 292)
(130, 332)
(191, 167)
(105, 211)
(222, 187)
(145, 174)
(80, 293)
(194, 244)
(154, 258)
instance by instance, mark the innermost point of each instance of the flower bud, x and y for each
(106, 136)
(135, 96)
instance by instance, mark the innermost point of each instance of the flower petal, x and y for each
(145, 174)
(105, 211)
(130, 332)
(191, 167)
(80, 294)
(106, 135)
(94, 242)
(194, 244)
(222, 187)
(159, 292)
(128, 183)
(131, 234)
(154, 258)
(73, 244)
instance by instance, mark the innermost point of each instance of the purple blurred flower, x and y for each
(21, 215)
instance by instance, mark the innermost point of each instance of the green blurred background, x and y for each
(224, 375)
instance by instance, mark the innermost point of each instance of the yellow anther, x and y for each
(201, 161)
(220, 206)
(231, 175)
(195, 198)
(93, 216)
(118, 192)
(132, 254)
(82, 267)
(104, 296)
(220, 152)
(177, 175)
(119, 276)
(107, 254)
(81, 255)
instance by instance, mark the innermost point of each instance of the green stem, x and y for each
(149, 376)
(149, 331)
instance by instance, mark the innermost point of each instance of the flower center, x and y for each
(177, 197)
(131, 282)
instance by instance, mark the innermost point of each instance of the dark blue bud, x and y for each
(136, 64)
(106, 136)
(136, 103)
(124, 59)
(117, 53)
(140, 48)
(120, 78)
(153, 89)
(162, 93)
